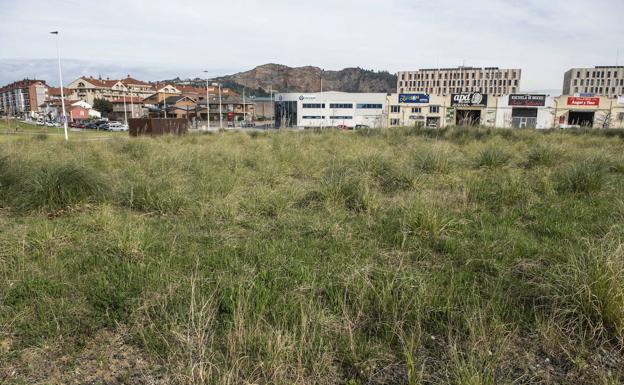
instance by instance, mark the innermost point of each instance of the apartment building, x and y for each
(90, 88)
(445, 81)
(599, 81)
(23, 97)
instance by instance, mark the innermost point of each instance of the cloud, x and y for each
(153, 38)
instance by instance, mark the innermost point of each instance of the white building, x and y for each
(525, 111)
(330, 109)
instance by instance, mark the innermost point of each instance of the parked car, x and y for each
(49, 124)
(40, 123)
(102, 126)
(343, 127)
(91, 125)
(117, 126)
(361, 126)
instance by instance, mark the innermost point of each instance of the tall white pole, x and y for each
(272, 106)
(131, 105)
(244, 108)
(58, 53)
(322, 109)
(220, 109)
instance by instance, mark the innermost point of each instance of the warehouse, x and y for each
(525, 111)
(470, 109)
(330, 109)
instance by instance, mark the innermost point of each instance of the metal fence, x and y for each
(157, 127)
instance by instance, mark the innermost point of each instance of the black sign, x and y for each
(469, 99)
(527, 100)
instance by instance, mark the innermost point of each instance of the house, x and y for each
(89, 89)
(127, 107)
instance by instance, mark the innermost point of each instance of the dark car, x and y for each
(91, 125)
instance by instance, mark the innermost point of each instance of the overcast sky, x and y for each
(156, 39)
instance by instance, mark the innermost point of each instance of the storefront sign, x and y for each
(230, 116)
(581, 101)
(469, 99)
(413, 98)
(527, 100)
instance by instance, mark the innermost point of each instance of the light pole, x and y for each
(207, 101)
(220, 106)
(58, 53)
(125, 109)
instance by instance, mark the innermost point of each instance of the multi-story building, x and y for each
(330, 109)
(600, 81)
(444, 81)
(23, 97)
(89, 89)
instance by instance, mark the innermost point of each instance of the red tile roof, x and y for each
(56, 91)
(130, 80)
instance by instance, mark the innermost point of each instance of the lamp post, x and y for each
(220, 106)
(58, 54)
(125, 109)
(207, 101)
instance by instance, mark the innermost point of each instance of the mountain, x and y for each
(307, 79)
(281, 78)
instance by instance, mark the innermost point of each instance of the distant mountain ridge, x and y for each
(281, 78)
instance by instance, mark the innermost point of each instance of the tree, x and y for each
(103, 106)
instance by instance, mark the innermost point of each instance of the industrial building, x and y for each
(598, 81)
(330, 109)
(589, 111)
(445, 81)
(525, 111)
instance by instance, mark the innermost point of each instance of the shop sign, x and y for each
(414, 98)
(583, 101)
(469, 99)
(527, 100)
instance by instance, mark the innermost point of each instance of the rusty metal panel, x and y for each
(157, 127)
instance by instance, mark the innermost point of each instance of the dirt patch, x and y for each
(107, 359)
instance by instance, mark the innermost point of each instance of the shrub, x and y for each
(387, 176)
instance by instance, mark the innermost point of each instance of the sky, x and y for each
(158, 39)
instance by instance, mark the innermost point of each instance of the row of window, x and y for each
(343, 106)
(453, 83)
(598, 74)
(598, 90)
(459, 75)
(599, 82)
(416, 110)
(452, 90)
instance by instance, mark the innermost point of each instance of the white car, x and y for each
(49, 124)
(116, 126)
(40, 123)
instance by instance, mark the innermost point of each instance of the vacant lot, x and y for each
(404, 257)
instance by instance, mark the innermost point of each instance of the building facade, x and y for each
(23, 98)
(330, 109)
(89, 89)
(599, 81)
(444, 81)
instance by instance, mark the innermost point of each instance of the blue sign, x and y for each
(413, 98)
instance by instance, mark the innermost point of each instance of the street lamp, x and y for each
(207, 100)
(58, 54)
(220, 106)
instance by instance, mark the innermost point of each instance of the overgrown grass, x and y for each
(408, 256)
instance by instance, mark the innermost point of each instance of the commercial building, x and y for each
(330, 109)
(445, 81)
(589, 112)
(23, 98)
(598, 81)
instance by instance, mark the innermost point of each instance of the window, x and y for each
(395, 108)
(340, 105)
(313, 105)
(394, 122)
(434, 109)
(341, 117)
(370, 106)
(313, 117)
(416, 110)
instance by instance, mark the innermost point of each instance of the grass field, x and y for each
(463, 256)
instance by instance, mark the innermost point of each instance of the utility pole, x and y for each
(244, 109)
(125, 109)
(58, 53)
(207, 101)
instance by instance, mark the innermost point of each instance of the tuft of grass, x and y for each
(492, 157)
(582, 177)
(387, 176)
(541, 156)
(58, 186)
(431, 161)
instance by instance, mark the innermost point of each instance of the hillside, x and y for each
(305, 79)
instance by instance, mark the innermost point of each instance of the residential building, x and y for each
(330, 109)
(127, 107)
(598, 81)
(232, 108)
(445, 81)
(23, 98)
(89, 89)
